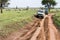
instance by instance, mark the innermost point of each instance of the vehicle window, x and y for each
(40, 11)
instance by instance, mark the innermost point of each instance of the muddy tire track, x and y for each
(39, 29)
(46, 29)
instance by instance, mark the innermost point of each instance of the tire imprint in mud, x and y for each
(37, 30)
(31, 31)
(46, 29)
(24, 34)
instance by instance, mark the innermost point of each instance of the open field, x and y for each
(12, 20)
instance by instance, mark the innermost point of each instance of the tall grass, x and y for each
(56, 17)
(12, 20)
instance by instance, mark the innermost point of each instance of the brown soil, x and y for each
(37, 30)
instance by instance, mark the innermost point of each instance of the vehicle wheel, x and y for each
(46, 13)
(36, 16)
(41, 17)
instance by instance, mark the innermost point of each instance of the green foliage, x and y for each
(44, 2)
(51, 2)
(3, 4)
(56, 17)
(54, 3)
(3, 1)
(12, 20)
(27, 8)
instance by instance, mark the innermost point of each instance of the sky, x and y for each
(30, 3)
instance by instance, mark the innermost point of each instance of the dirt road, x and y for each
(37, 30)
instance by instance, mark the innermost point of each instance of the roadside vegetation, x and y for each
(13, 19)
(56, 17)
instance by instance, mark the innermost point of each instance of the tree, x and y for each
(51, 2)
(27, 8)
(3, 4)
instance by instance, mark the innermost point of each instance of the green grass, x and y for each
(13, 20)
(57, 17)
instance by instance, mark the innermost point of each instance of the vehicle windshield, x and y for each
(40, 11)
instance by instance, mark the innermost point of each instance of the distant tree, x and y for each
(51, 2)
(16, 7)
(3, 4)
(27, 8)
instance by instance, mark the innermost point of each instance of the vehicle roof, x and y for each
(41, 10)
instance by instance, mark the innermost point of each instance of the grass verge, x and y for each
(13, 20)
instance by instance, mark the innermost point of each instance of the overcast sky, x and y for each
(30, 3)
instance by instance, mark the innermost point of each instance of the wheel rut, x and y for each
(39, 29)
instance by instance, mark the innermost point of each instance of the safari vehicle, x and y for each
(40, 14)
